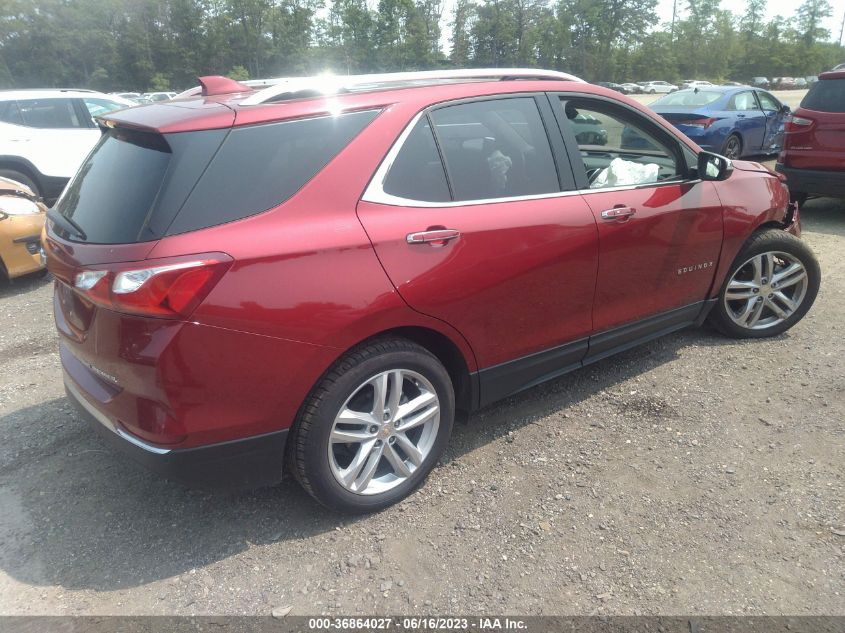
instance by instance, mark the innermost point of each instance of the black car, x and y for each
(613, 86)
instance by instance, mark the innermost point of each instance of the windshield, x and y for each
(689, 98)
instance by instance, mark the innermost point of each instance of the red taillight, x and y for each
(169, 289)
(792, 124)
(702, 123)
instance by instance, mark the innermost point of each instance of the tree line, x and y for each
(114, 45)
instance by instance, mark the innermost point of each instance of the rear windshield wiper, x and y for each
(66, 223)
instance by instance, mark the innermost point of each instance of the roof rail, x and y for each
(332, 84)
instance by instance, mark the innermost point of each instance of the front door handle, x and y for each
(618, 213)
(435, 237)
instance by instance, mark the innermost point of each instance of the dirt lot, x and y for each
(693, 475)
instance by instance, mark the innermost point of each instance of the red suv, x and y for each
(813, 156)
(323, 274)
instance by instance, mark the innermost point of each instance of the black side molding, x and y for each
(627, 336)
(506, 379)
(523, 373)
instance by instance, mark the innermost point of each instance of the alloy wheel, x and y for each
(733, 148)
(384, 431)
(766, 290)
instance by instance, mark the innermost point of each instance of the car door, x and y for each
(749, 119)
(660, 228)
(56, 135)
(498, 244)
(774, 111)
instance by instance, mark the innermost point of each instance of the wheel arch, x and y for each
(22, 165)
(446, 351)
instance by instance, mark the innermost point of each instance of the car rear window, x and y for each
(826, 95)
(689, 98)
(114, 189)
(139, 186)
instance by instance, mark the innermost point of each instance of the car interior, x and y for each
(627, 142)
(496, 149)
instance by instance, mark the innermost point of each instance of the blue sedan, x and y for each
(728, 120)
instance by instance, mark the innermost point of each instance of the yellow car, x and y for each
(22, 217)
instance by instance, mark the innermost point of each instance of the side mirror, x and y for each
(785, 109)
(713, 166)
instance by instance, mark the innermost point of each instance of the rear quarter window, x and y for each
(259, 167)
(826, 95)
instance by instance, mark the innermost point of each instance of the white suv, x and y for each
(46, 134)
(653, 87)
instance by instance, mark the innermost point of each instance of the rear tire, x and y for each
(392, 444)
(771, 285)
(22, 178)
(733, 147)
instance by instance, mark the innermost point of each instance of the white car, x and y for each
(658, 87)
(160, 96)
(46, 134)
(695, 83)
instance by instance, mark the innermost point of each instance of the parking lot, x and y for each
(789, 97)
(695, 474)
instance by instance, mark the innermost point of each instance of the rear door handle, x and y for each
(618, 213)
(435, 237)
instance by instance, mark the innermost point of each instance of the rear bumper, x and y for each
(244, 463)
(814, 182)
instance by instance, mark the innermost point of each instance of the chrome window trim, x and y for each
(376, 194)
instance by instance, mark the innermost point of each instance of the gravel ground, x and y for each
(692, 475)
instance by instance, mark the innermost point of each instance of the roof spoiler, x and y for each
(217, 85)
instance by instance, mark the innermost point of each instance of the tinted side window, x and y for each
(826, 95)
(417, 173)
(9, 112)
(261, 166)
(495, 149)
(49, 113)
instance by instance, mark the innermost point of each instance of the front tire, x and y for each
(374, 427)
(772, 284)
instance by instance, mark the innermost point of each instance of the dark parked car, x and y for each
(613, 86)
(813, 156)
(322, 274)
(784, 83)
(731, 121)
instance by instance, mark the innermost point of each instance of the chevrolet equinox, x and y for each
(321, 274)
